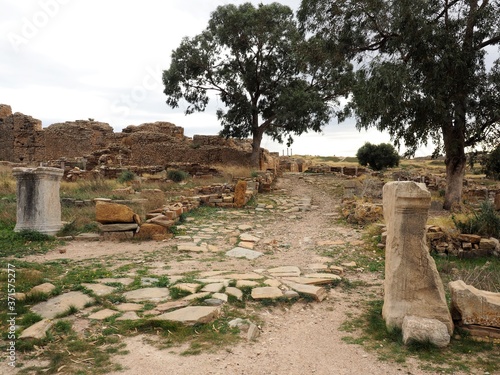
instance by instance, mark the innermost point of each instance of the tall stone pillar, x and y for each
(38, 204)
(412, 285)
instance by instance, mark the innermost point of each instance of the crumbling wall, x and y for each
(93, 143)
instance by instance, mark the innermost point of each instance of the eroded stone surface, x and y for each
(240, 252)
(37, 330)
(474, 306)
(147, 294)
(419, 329)
(191, 314)
(60, 304)
(412, 284)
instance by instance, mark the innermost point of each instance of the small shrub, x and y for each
(485, 222)
(177, 176)
(126, 176)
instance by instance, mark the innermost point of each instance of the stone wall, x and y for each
(22, 139)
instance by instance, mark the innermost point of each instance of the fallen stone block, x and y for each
(417, 329)
(118, 227)
(106, 213)
(148, 231)
(147, 294)
(318, 293)
(474, 306)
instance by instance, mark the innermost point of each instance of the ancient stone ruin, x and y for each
(412, 289)
(89, 143)
(38, 204)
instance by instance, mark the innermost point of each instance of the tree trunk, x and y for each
(456, 161)
(256, 141)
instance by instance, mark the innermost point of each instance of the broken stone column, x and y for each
(38, 204)
(412, 285)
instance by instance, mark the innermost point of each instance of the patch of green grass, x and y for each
(29, 319)
(62, 327)
(23, 243)
(463, 354)
(86, 274)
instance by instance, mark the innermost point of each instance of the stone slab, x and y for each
(318, 293)
(60, 304)
(191, 315)
(235, 292)
(37, 330)
(122, 280)
(171, 305)
(188, 287)
(196, 296)
(266, 292)
(191, 247)
(99, 289)
(147, 294)
(45, 288)
(249, 238)
(213, 288)
(118, 227)
(129, 306)
(244, 276)
(103, 314)
(240, 252)
(129, 315)
(284, 271)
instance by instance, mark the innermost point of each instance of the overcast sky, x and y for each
(65, 60)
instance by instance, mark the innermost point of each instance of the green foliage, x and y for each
(421, 71)
(177, 176)
(378, 157)
(29, 319)
(269, 78)
(492, 164)
(126, 176)
(23, 243)
(485, 222)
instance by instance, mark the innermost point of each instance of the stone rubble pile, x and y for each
(459, 245)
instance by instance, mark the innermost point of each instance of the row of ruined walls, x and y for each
(23, 140)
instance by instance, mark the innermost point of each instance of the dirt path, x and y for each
(305, 338)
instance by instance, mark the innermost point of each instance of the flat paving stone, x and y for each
(129, 315)
(213, 288)
(191, 315)
(318, 293)
(171, 305)
(248, 237)
(37, 330)
(60, 304)
(129, 306)
(284, 271)
(240, 252)
(266, 292)
(188, 287)
(147, 294)
(99, 289)
(121, 280)
(191, 247)
(244, 276)
(196, 296)
(103, 314)
(235, 292)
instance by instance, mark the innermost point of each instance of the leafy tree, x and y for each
(379, 156)
(492, 164)
(254, 60)
(421, 70)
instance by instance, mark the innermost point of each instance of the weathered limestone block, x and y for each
(150, 231)
(474, 306)
(412, 284)
(106, 213)
(38, 203)
(422, 329)
(240, 193)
